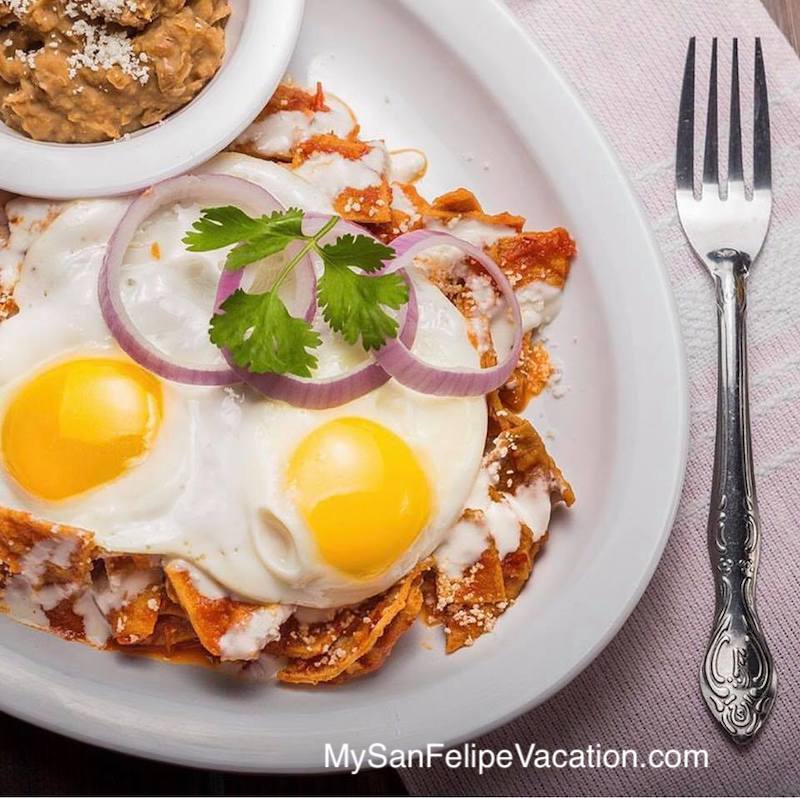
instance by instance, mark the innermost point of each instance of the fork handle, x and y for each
(738, 675)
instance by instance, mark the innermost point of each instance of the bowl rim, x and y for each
(267, 32)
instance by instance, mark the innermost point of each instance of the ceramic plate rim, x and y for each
(492, 20)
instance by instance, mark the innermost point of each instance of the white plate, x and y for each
(492, 114)
(259, 37)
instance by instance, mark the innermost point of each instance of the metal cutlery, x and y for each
(726, 226)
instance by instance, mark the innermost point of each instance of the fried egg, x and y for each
(276, 503)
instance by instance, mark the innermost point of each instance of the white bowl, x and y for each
(260, 37)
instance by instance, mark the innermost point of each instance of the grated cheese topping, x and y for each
(104, 49)
(101, 8)
(19, 6)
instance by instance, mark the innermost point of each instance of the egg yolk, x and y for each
(361, 492)
(79, 425)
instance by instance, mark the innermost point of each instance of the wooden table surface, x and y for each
(35, 762)
(786, 14)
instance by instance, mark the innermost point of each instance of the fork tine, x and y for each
(735, 170)
(684, 159)
(711, 157)
(762, 158)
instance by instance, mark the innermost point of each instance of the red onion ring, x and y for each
(212, 188)
(395, 355)
(321, 393)
(394, 359)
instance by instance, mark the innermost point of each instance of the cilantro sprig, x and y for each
(257, 329)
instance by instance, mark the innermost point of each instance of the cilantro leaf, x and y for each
(255, 249)
(353, 304)
(262, 337)
(362, 251)
(220, 227)
(257, 329)
(256, 238)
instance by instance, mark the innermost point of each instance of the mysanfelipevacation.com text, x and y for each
(471, 756)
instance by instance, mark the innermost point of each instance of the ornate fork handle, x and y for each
(738, 676)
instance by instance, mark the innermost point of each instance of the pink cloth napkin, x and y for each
(625, 59)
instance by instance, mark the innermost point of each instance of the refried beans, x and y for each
(92, 70)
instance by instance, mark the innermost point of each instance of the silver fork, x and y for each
(737, 679)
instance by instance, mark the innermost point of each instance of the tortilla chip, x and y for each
(307, 641)
(288, 97)
(375, 657)
(530, 256)
(463, 204)
(529, 378)
(410, 211)
(465, 622)
(518, 565)
(351, 150)
(368, 623)
(527, 459)
(58, 553)
(470, 605)
(171, 632)
(405, 213)
(214, 618)
(65, 622)
(45, 569)
(134, 620)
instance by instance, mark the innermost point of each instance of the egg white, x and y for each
(211, 491)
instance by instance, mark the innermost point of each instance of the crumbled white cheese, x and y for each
(27, 57)
(482, 290)
(19, 7)
(556, 384)
(104, 49)
(107, 9)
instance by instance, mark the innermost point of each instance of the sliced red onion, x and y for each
(395, 359)
(213, 189)
(400, 362)
(320, 393)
